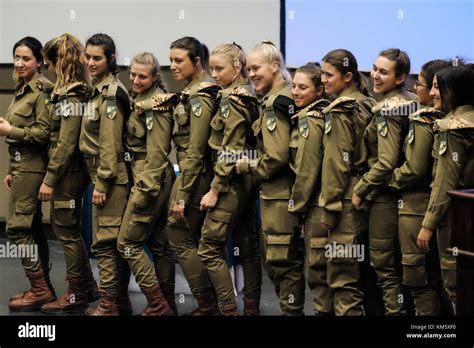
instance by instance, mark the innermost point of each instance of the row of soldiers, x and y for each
(327, 162)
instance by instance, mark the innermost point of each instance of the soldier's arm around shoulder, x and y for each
(202, 104)
(73, 100)
(339, 142)
(114, 114)
(159, 123)
(276, 129)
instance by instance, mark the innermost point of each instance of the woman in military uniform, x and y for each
(344, 161)
(189, 59)
(384, 136)
(413, 179)
(306, 148)
(26, 127)
(231, 199)
(280, 231)
(149, 131)
(66, 177)
(101, 143)
(453, 168)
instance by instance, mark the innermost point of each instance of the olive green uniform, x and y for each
(27, 145)
(413, 179)
(149, 131)
(344, 161)
(101, 142)
(384, 136)
(193, 115)
(234, 212)
(67, 174)
(280, 232)
(306, 146)
(453, 169)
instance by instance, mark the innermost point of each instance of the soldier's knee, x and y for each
(381, 253)
(414, 270)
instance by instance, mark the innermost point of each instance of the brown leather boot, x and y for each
(74, 301)
(168, 293)
(157, 304)
(46, 277)
(90, 285)
(38, 295)
(107, 306)
(207, 305)
(229, 309)
(251, 307)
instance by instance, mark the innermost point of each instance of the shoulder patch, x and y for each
(453, 123)
(395, 106)
(426, 115)
(241, 96)
(303, 127)
(341, 104)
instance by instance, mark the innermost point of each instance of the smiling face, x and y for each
(96, 62)
(435, 95)
(181, 65)
(383, 75)
(141, 76)
(423, 91)
(223, 70)
(303, 90)
(333, 80)
(261, 73)
(26, 65)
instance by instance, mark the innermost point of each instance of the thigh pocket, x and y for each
(343, 246)
(381, 252)
(216, 225)
(139, 227)
(109, 226)
(278, 248)
(414, 269)
(64, 213)
(316, 253)
(23, 218)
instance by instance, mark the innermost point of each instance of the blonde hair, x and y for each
(272, 54)
(147, 58)
(234, 53)
(66, 53)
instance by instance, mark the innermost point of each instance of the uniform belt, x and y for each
(14, 150)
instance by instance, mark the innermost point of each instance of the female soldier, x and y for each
(306, 157)
(280, 236)
(193, 114)
(101, 144)
(413, 179)
(26, 127)
(149, 131)
(66, 176)
(384, 136)
(453, 93)
(344, 161)
(231, 199)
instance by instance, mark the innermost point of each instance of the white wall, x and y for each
(138, 25)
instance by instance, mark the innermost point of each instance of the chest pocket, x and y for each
(371, 134)
(135, 125)
(180, 114)
(24, 110)
(92, 111)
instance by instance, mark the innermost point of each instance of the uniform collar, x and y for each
(463, 109)
(22, 88)
(105, 82)
(393, 92)
(202, 77)
(137, 97)
(348, 91)
(277, 88)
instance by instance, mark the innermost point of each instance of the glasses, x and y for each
(418, 83)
